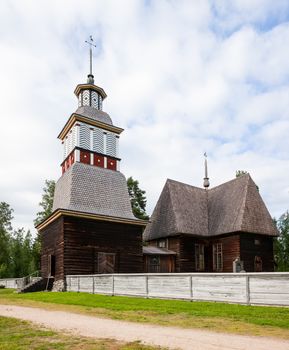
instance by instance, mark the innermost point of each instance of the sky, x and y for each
(183, 77)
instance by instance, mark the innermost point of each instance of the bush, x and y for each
(2, 286)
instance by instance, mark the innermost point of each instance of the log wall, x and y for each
(52, 244)
(84, 239)
(244, 288)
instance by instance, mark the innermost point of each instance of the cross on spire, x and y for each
(90, 42)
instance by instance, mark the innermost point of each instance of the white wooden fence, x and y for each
(244, 288)
(11, 282)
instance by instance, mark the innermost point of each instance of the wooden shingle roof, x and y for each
(235, 206)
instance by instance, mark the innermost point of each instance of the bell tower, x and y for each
(92, 228)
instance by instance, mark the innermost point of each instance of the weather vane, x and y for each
(90, 42)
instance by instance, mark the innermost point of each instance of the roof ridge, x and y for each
(235, 179)
(182, 183)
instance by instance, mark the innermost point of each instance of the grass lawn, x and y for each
(233, 318)
(21, 335)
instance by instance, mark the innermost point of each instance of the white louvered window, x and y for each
(94, 99)
(64, 148)
(79, 99)
(84, 136)
(99, 102)
(73, 137)
(111, 144)
(85, 98)
(98, 142)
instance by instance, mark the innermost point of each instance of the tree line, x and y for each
(20, 251)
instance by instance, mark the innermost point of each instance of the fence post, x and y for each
(78, 284)
(247, 290)
(93, 284)
(191, 287)
(147, 286)
(112, 286)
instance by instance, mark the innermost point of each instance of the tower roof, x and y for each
(235, 206)
(93, 113)
(89, 189)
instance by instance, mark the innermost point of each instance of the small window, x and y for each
(217, 257)
(199, 257)
(257, 241)
(162, 243)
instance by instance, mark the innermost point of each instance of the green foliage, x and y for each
(281, 245)
(46, 203)
(241, 172)
(19, 252)
(137, 199)
(5, 238)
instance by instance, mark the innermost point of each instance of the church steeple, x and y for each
(89, 135)
(89, 94)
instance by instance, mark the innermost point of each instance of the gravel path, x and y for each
(170, 337)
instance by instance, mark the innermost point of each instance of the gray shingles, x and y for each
(151, 250)
(93, 190)
(235, 206)
(95, 114)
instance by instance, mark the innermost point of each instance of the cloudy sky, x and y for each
(182, 78)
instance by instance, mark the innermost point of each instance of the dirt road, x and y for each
(171, 337)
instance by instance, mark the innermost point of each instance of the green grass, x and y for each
(21, 335)
(256, 320)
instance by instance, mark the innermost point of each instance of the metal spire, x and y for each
(90, 77)
(206, 179)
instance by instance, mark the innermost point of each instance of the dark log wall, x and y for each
(257, 245)
(85, 238)
(52, 244)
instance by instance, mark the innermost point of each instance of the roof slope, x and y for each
(95, 114)
(235, 206)
(89, 189)
(181, 208)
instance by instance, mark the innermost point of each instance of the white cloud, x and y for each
(182, 78)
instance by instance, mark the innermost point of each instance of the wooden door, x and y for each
(106, 262)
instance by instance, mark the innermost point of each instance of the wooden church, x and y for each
(92, 228)
(224, 229)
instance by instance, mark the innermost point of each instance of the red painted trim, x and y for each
(98, 160)
(111, 164)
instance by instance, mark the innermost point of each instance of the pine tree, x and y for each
(5, 238)
(281, 245)
(137, 199)
(47, 202)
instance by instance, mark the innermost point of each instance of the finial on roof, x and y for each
(206, 179)
(90, 77)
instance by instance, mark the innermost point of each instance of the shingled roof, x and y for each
(94, 114)
(94, 190)
(235, 206)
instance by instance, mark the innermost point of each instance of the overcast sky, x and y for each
(182, 78)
